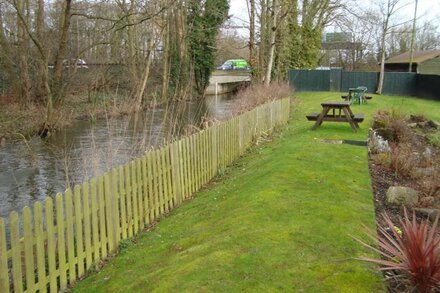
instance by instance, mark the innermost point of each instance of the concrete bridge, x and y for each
(226, 81)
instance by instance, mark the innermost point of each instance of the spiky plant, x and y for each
(411, 253)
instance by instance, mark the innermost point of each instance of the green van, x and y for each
(234, 64)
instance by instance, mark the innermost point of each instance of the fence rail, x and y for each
(63, 238)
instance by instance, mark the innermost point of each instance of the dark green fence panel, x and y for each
(395, 83)
(351, 79)
(428, 86)
(309, 80)
(335, 79)
(399, 83)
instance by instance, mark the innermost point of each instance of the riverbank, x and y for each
(280, 219)
(18, 121)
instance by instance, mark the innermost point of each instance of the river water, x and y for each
(33, 169)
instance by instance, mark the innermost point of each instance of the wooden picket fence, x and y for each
(59, 240)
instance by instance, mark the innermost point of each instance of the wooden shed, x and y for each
(424, 62)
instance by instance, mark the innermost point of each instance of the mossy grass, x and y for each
(280, 219)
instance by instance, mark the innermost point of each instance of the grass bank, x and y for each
(279, 219)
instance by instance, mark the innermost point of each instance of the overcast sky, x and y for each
(427, 10)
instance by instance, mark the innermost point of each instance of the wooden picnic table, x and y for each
(340, 112)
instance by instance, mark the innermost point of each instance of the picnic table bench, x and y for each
(357, 95)
(340, 112)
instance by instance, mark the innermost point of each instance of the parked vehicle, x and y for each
(78, 63)
(234, 64)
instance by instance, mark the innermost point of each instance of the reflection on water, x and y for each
(32, 170)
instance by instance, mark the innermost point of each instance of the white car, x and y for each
(78, 63)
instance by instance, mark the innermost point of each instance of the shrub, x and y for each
(401, 131)
(383, 119)
(403, 160)
(411, 253)
(392, 126)
(434, 138)
(257, 94)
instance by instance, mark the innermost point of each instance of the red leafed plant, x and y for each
(411, 254)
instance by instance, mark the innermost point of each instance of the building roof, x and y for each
(418, 57)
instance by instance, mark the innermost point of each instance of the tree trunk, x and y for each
(166, 58)
(382, 66)
(145, 77)
(133, 59)
(413, 36)
(61, 52)
(272, 34)
(8, 58)
(263, 39)
(23, 50)
(252, 53)
(41, 66)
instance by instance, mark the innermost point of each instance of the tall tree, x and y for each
(252, 50)
(272, 35)
(388, 10)
(204, 20)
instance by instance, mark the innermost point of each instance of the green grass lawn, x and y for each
(280, 219)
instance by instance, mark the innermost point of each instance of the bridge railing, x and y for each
(59, 240)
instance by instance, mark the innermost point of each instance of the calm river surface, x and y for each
(31, 170)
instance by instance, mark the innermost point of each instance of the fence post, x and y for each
(4, 276)
(17, 274)
(61, 241)
(79, 214)
(109, 203)
(39, 245)
(28, 250)
(87, 225)
(70, 236)
(175, 173)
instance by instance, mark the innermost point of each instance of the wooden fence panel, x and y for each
(128, 200)
(181, 170)
(169, 175)
(79, 231)
(139, 183)
(39, 247)
(185, 159)
(151, 203)
(122, 203)
(16, 252)
(165, 169)
(161, 173)
(102, 225)
(51, 246)
(62, 265)
(115, 186)
(145, 193)
(95, 221)
(4, 276)
(87, 226)
(28, 249)
(109, 214)
(214, 153)
(156, 183)
(134, 198)
(175, 173)
(69, 239)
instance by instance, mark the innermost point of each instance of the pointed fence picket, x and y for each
(55, 243)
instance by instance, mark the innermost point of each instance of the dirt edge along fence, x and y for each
(62, 238)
